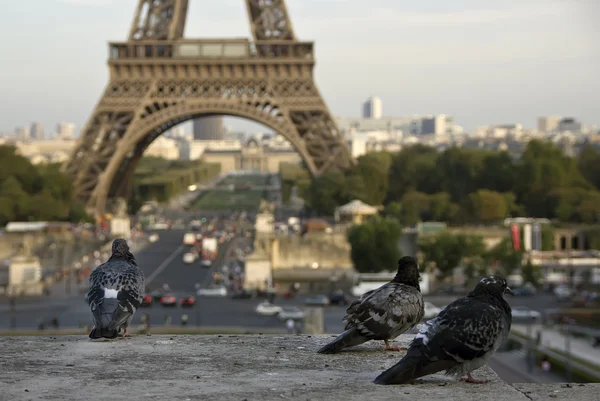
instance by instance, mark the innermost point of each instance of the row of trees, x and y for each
(35, 192)
(375, 249)
(463, 185)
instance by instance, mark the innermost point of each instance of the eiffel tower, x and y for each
(159, 79)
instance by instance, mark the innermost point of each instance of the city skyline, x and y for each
(509, 64)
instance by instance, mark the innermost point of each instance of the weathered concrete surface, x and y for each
(224, 367)
(560, 391)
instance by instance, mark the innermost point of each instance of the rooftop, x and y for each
(231, 367)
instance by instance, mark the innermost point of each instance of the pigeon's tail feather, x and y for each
(415, 364)
(106, 326)
(97, 333)
(348, 338)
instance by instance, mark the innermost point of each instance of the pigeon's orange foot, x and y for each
(388, 347)
(470, 379)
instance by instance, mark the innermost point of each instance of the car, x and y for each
(206, 263)
(146, 301)
(524, 291)
(524, 313)
(187, 302)
(339, 298)
(168, 300)
(218, 291)
(431, 311)
(291, 313)
(189, 258)
(242, 294)
(189, 239)
(153, 238)
(157, 294)
(268, 309)
(318, 300)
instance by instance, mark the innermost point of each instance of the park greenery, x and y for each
(35, 192)
(158, 179)
(461, 186)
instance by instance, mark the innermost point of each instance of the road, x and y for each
(162, 263)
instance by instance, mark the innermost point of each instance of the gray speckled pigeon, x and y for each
(384, 313)
(116, 291)
(460, 339)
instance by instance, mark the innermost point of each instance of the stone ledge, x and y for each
(223, 367)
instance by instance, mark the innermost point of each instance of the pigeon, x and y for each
(116, 291)
(460, 339)
(383, 313)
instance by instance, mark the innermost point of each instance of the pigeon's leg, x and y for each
(470, 379)
(388, 347)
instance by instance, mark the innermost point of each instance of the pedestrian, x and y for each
(290, 326)
(546, 365)
(184, 320)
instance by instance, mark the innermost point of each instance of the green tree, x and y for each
(446, 251)
(413, 169)
(393, 210)
(487, 206)
(589, 164)
(327, 192)
(375, 245)
(531, 274)
(440, 207)
(414, 205)
(373, 169)
(505, 257)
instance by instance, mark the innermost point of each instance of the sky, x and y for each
(483, 62)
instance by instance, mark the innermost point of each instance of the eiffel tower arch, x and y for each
(159, 79)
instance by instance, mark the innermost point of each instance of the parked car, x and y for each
(146, 301)
(268, 309)
(290, 313)
(242, 294)
(218, 291)
(339, 298)
(187, 302)
(523, 312)
(318, 300)
(157, 294)
(168, 300)
(189, 258)
(524, 291)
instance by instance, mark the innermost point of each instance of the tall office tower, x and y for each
(373, 108)
(22, 133)
(548, 124)
(65, 130)
(208, 128)
(37, 131)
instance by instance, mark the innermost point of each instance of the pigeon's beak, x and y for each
(508, 291)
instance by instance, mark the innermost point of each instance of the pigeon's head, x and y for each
(495, 285)
(120, 246)
(408, 271)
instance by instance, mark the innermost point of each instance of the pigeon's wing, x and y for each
(124, 278)
(465, 330)
(387, 311)
(354, 307)
(131, 288)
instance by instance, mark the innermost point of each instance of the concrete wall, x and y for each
(328, 250)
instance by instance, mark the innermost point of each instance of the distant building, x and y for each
(548, 124)
(569, 124)
(406, 125)
(37, 131)
(163, 147)
(208, 128)
(65, 130)
(436, 125)
(373, 108)
(22, 133)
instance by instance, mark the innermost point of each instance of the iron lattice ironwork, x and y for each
(159, 79)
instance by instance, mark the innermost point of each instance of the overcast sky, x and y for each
(484, 62)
